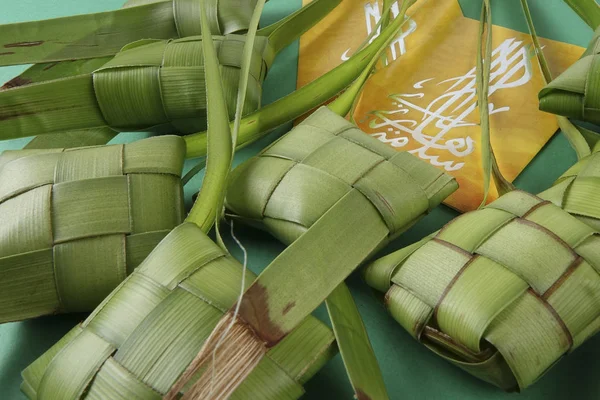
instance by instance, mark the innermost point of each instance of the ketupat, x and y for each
(151, 84)
(144, 335)
(297, 179)
(76, 223)
(62, 69)
(503, 292)
(576, 92)
(148, 85)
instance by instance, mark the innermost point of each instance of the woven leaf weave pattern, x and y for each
(145, 334)
(169, 76)
(76, 222)
(503, 292)
(291, 184)
(577, 191)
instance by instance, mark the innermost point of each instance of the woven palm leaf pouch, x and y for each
(76, 222)
(307, 172)
(503, 292)
(145, 334)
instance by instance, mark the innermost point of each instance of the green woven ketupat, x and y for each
(75, 223)
(503, 292)
(295, 181)
(151, 84)
(576, 92)
(577, 191)
(143, 336)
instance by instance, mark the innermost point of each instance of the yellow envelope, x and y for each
(424, 100)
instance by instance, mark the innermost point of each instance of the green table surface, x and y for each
(409, 369)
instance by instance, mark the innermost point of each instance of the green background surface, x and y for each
(410, 370)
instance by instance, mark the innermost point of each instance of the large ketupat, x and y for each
(503, 292)
(143, 336)
(75, 223)
(303, 175)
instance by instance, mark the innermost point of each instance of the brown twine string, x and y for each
(236, 356)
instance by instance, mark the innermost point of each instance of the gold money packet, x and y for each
(424, 99)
